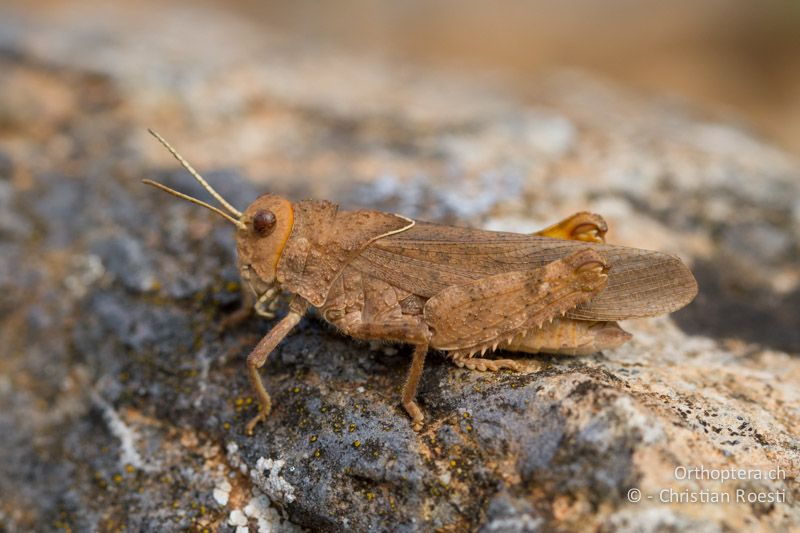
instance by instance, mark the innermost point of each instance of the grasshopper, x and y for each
(462, 291)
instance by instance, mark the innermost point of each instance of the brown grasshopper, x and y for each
(462, 291)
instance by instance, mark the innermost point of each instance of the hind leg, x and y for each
(574, 337)
(583, 226)
(486, 365)
(571, 337)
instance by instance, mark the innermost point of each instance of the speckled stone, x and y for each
(122, 403)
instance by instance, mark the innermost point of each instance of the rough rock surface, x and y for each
(123, 404)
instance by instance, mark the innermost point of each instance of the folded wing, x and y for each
(429, 258)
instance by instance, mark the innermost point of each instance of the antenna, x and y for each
(185, 164)
(239, 224)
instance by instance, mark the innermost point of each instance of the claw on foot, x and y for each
(416, 415)
(262, 415)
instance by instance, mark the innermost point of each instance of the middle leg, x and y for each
(412, 332)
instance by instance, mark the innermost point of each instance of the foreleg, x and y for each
(263, 306)
(257, 358)
(244, 312)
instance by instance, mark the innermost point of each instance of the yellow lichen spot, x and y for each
(465, 414)
(130, 469)
(370, 496)
(469, 428)
(351, 428)
(176, 504)
(453, 463)
(239, 402)
(317, 453)
(296, 390)
(357, 444)
(226, 425)
(194, 505)
(313, 438)
(248, 400)
(232, 286)
(117, 478)
(324, 410)
(202, 510)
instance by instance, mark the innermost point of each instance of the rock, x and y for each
(122, 403)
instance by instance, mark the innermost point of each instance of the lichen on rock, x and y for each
(123, 403)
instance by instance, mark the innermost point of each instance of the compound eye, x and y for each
(264, 222)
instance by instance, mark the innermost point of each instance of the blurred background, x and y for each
(735, 57)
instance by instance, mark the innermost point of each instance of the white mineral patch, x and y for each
(237, 518)
(129, 455)
(266, 476)
(259, 509)
(222, 492)
(234, 459)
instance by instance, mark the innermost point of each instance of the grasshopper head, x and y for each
(261, 231)
(266, 225)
